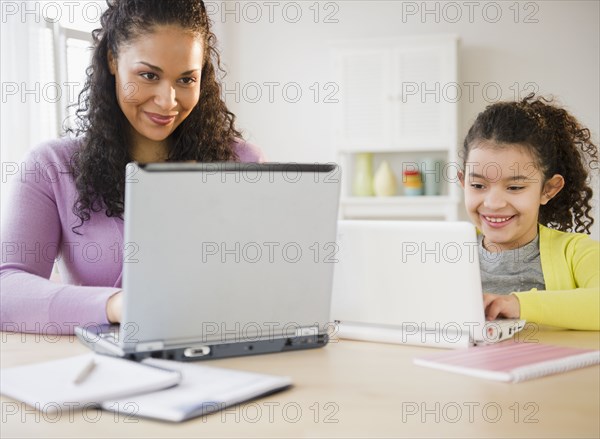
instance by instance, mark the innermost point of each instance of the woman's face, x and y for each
(158, 81)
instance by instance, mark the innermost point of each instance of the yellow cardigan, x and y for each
(571, 268)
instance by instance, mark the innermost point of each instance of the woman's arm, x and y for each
(31, 241)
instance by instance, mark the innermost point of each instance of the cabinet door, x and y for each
(366, 100)
(425, 96)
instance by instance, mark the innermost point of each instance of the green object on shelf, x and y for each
(362, 184)
(431, 174)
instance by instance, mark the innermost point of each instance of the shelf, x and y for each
(408, 148)
(399, 207)
(406, 128)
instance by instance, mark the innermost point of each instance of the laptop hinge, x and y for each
(149, 346)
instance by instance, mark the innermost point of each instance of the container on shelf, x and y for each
(431, 176)
(413, 186)
(362, 183)
(384, 183)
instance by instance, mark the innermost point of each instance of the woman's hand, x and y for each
(114, 306)
(496, 306)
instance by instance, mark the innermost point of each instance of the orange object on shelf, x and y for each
(412, 182)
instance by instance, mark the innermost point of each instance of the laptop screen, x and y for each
(225, 249)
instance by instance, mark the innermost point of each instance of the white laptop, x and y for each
(224, 260)
(414, 282)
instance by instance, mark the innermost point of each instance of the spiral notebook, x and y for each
(512, 361)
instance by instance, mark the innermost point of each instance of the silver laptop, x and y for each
(414, 282)
(224, 260)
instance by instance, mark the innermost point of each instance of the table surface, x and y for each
(347, 389)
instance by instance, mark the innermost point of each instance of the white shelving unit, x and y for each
(399, 101)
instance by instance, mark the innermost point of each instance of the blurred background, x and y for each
(321, 81)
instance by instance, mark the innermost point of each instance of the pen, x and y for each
(85, 372)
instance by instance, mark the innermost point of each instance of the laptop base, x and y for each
(490, 332)
(203, 351)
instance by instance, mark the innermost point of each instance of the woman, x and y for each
(151, 95)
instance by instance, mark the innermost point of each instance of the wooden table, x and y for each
(347, 389)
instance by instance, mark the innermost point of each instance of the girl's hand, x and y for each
(114, 306)
(496, 306)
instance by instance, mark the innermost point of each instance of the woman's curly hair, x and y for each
(559, 144)
(206, 135)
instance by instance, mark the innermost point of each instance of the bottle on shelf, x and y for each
(431, 175)
(362, 184)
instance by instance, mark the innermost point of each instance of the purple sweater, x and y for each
(37, 230)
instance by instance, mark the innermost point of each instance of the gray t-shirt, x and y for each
(511, 270)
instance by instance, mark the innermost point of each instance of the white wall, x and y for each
(553, 45)
(559, 53)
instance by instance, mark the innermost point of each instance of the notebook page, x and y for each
(49, 386)
(203, 389)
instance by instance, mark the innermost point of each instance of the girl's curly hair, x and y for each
(559, 144)
(206, 135)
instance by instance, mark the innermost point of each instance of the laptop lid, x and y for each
(419, 275)
(227, 252)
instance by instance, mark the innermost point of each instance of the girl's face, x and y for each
(158, 81)
(503, 192)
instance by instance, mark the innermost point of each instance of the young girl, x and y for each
(526, 189)
(151, 95)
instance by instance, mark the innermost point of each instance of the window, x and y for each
(44, 54)
(71, 54)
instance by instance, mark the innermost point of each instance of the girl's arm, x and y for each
(575, 308)
(571, 309)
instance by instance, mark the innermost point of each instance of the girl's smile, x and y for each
(497, 221)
